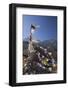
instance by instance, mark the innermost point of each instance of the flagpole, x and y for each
(30, 40)
(32, 29)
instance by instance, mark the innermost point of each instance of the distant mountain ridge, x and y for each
(26, 39)
(51, 40)
(46, 43)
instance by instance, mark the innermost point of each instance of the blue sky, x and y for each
(47, 29)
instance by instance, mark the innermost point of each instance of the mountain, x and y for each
(50, 44)
(26, 39)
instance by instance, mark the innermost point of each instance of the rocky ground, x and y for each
(40, 61)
